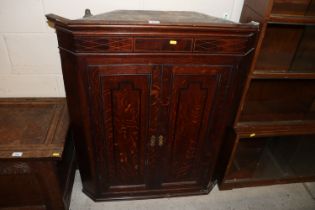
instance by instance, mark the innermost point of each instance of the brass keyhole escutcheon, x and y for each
(152, 141)
(161, 140)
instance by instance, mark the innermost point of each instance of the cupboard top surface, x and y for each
(150, 18)
(33, 128)
(155, 17)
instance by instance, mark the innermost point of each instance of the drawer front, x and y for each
(222, 45)
(102, 44)
(163, 45)
(14, 167)
(211, 45)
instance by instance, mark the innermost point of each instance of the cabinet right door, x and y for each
(197, 97)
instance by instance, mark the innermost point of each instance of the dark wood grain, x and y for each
(277, 102)
(282, 75)
(42, 177)
(103, 44)
(304, 60)
(138, 17)
(293, 53)
(192, 94)
(154, 154)
(122, 99)
(223, 45)
(266, 101)
(300, 7)
(36, 127)
(301, 12)
(271, 160)
(149, 118)
(277, 54)
(276, 128)
(163, 45)
(311, 9)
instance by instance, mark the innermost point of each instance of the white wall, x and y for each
(29, 58)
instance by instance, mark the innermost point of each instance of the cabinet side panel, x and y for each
(19, 185)
(73, 74)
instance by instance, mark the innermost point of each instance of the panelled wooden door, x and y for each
(194, 92)
(121, 110)
(153, 122)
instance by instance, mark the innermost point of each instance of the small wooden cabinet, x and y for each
(37, 158)
(149, 103)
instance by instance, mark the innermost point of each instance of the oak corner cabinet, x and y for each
(150, 94)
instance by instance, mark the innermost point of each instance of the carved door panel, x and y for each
(154, 123)
(196, 92)
(121, 109)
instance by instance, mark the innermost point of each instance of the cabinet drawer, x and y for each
(163, 45)
(102, 44)
(222, 45)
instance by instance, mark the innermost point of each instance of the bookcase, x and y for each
(273, 137)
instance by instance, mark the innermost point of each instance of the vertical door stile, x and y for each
(152, 158)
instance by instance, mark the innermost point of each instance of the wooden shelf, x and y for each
(279, 103)
(229, 184)
(260, 74)
(275, 128)
(287, 51)
(272, 141)
(268, 160)
(291, 19)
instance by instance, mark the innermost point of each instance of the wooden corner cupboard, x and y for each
(37, 158)
(273, 139)
(150, 95)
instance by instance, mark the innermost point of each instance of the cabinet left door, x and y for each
(120, 110)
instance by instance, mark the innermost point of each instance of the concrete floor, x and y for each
(279, 197)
